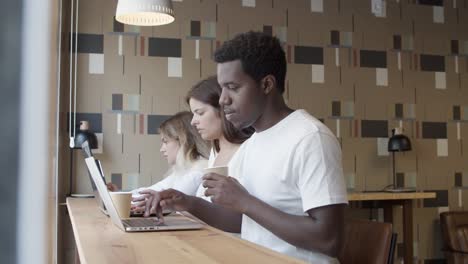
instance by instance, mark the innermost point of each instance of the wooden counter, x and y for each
(99, 241)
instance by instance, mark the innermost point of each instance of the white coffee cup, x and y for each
(221, 170)
(122, 203)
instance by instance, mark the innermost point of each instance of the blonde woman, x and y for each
(186, 153)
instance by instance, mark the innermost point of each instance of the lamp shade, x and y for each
(145, 12)
(399, 142)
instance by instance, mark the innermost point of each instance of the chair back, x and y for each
(454, 226)
(367, 242)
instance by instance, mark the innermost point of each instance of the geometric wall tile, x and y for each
(381, 76)
(407, 42)
(398, 110)
(382, 147)
(410, 179)
(336, 108)
(456, 112)
(248, 3)
(465, 113)
(131, 181)
(154, 121)
(335, 37)
(458, 179)
(373, 59)
(397, 42)
(431, 2)
(281, 33)
(208, 29)
(400, 180)
(409, 111)
(438, 14)
(119, 124)
(440, 80)
(195, 28)
(117, 102)
(435, 63)
(379, 8)
(131, 102)
(434, 130)
(318, 73)
(174, 67)
(164, 47)
(308, 55)
(350, 180)
(440, 200)
(347, 109)
(94, 120)
(346, 39)
(316, 6)
(96, 63)
(442, 147)
(464, 176)
(374, 128)
(464, 47)
(454, 47)
(89, 43)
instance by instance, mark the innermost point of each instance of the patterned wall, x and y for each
(363, 67)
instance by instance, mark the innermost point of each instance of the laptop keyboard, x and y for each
(141, 222)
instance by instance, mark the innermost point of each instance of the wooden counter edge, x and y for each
(75, 232)
(366, 196)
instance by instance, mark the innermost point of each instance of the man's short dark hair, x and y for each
(259, 53)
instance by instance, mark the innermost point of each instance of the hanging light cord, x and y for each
(72, 143)
(73, 74)
(76, 60)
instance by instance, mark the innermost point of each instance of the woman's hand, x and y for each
(112, 187)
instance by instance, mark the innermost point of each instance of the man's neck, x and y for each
(275, 111)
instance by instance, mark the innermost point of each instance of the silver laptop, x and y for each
(171, 222)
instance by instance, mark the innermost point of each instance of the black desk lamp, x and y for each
(398, 143)
(85, 140)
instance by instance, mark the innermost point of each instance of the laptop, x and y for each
(175, 221)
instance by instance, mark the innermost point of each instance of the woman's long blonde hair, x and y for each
(192, 146)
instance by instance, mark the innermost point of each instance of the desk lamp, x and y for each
(398, 143)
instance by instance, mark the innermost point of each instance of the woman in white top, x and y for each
(209, 120)
(186, 153)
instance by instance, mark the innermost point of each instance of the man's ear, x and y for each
(268, 84)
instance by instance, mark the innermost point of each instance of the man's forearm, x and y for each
(307, 232)
(215, 215)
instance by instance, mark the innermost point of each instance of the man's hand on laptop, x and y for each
(152, 202)
(148, 202)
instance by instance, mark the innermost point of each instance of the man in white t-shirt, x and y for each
(291, 195)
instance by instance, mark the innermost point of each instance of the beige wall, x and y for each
(407, 88)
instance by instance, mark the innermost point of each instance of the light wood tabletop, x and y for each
(99, 241)
(369, 196)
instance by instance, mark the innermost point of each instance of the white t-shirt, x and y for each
(233, 169)
(186, 180)
(293, 166)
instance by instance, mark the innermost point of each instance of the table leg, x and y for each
(388, 212)
(408, 230)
